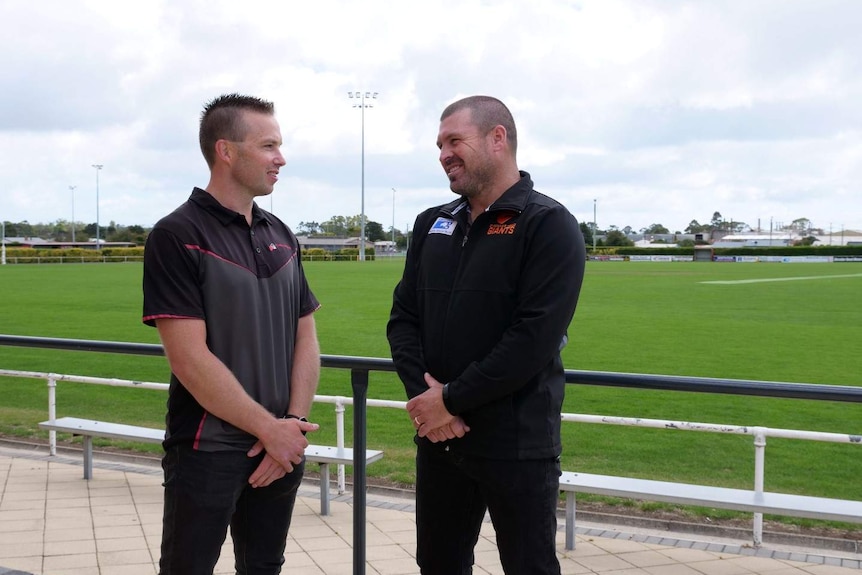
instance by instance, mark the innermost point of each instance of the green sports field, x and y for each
(775, 322)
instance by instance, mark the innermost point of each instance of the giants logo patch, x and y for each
(502, 227)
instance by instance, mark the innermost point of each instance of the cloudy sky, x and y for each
(651, 111)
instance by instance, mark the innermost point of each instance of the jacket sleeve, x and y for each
(550, 283)
(404, 328)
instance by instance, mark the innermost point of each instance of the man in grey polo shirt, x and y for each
(224, 285)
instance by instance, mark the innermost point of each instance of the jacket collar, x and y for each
(514, 199)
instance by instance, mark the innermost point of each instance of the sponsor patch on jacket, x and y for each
(504, 225)
(443, 226)
(501, 229)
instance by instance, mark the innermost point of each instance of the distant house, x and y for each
(24, 242)
(649, 244)
(385, 247)
(757, 240)
(328, 243)
(845, 238)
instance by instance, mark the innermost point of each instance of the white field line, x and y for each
(731, 282)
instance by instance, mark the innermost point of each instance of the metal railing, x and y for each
(361, 366)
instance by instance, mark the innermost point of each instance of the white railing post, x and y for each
(759, 469)
(52, 413)
(339, 439)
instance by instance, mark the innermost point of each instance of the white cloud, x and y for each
(661, 111)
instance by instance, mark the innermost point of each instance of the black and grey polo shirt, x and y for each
(204, 261)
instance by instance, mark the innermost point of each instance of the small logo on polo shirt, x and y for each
(272, 247)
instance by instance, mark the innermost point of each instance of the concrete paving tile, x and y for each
(719, 567)
(686, 555)
(333, 544)
(13, 504)
(52, 564)
(378, 552)
(570, 567)
(139, 569)
(830, 570)
(72, 521)
(122, 544)
(76, 534)
(758, 564)
(32, 564)
(77, 571)
(14, 537)
(129, 520)
(327, 557)
(673, 569)
(67, 502)
(390, 567)
(647, 558)
(620, 544)
(55, 548)
(113, 532)
(604, 562)
(125, 557)
(584, 548)
(11, 550)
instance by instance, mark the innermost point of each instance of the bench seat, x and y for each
(324, 455)
(822, 508)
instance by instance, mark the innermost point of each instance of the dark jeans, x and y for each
(453, 492)
(205, 493)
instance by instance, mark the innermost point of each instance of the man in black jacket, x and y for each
(477, 325)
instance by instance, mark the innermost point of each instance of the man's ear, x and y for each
(224, 151)
(498, 136)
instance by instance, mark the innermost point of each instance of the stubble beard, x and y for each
(477, 180)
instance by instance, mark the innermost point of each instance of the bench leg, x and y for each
(88, 457)
(570, 520)
(324, 489)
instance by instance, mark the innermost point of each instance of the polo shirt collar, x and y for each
(225, 215)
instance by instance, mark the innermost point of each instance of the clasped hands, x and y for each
(430, 417)
(287, 444)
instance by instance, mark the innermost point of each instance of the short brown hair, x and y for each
(486, 113)
(222, 120)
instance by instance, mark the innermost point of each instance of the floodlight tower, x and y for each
(98, 169)
(393, 218)
(361, 104)
(72, 189)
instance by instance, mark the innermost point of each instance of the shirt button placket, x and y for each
(257, 248)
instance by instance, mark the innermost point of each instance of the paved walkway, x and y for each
(52, 522)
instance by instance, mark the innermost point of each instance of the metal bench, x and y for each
(703, 495)
(88, 429)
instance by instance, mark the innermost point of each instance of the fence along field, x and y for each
(635, 317)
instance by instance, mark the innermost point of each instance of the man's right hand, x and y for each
(453, 429)
(284, 443)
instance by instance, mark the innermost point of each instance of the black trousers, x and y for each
(205, 493)
(453, 491)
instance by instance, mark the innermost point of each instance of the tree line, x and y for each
(350, 226)
(66, 231)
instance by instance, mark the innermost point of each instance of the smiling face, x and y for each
(465, 154)
(257, 158)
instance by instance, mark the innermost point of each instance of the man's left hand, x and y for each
(268, 471)
(429, 413)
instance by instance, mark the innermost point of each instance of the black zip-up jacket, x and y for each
(485, 308)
